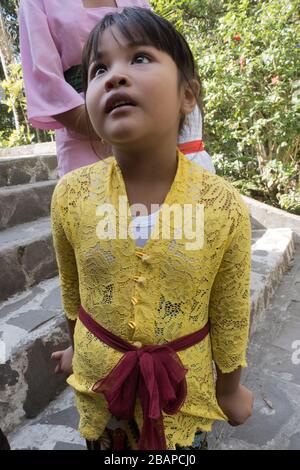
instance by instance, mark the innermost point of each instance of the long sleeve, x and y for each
(47, 92)
(229, 309)
(65, 255)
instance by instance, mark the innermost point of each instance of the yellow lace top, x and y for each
(154, 294)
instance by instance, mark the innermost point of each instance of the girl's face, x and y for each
(143, 77)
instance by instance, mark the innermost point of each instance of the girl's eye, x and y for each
(142, 56)
(99, 70)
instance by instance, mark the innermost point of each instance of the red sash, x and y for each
(153, 373)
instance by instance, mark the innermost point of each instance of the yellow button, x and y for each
(140, 279)
(143, 256)
(132, 324)
(137, 344)
(134, 300)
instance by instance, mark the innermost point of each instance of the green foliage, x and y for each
(9, 9)
(14, 88)
(249, 62)
(14, 96)
(16, 137)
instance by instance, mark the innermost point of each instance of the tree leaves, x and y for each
(251, 107)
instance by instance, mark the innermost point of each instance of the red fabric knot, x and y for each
(153, 373)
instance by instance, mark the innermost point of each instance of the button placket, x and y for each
(140, 281)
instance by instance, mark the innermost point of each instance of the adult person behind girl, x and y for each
(147, 317)
(52, 36)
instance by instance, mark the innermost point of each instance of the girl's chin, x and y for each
(125, 137)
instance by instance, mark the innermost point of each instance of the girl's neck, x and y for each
(149, 164)
(148, 173)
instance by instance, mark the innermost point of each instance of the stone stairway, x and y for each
(32, 324)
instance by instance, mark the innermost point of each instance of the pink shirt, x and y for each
(52, 36)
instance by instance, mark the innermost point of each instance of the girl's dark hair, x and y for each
(143, 27)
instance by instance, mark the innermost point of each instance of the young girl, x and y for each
(149, 316)
(52, 36)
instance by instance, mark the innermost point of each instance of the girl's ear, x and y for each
(189, 98)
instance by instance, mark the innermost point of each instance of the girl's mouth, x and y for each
(118, 101)
(121, 108)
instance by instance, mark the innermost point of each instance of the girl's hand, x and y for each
(64, 361)
(237, 406)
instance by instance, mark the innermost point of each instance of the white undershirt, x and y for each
(142, 227)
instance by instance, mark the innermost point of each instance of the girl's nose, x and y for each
(116, 81)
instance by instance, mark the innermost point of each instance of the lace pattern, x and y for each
(179, 291)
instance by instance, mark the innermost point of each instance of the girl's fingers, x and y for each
(233, 423)
(56, 355)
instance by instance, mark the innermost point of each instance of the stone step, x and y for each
(24, 203)
(54, 429)
(271, 255)
(26, 256)
(33, 326)
(25, 169)
(43, 148)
